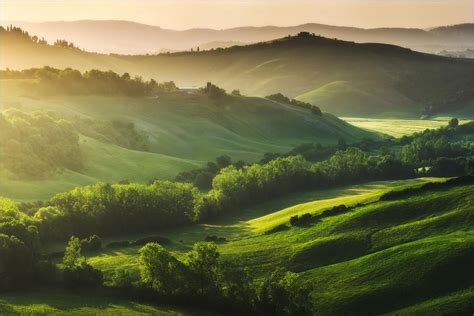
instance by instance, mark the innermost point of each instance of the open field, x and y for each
(77, 303)
(399, 127)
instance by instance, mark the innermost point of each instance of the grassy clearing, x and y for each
(398, 127)
(63, 303)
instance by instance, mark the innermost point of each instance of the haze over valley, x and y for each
(208, 167)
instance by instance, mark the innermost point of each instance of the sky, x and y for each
(218, 14)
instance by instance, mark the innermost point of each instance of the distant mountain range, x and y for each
(341, 77)
(125, 37)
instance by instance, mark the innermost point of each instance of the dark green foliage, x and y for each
(83, 275)
(278, 97)
(20, 262)
(162, 271)
(445, 167)
(32, 145)
(202, 277)
(77, 273)
(51, 81)
(453, 123)
(93, 243)
(420, 148)
(157, 239)
(202, 178)
(301, 220)
(280, 294)
(120, 133)
(112, 209)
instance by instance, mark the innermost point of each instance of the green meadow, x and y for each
(243, 227)
(184, 132)
(51, 302)
(399, 127)
(418, 249)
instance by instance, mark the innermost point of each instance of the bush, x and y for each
(302, 220)
(83, 275)
(157, 239)
(93, 243)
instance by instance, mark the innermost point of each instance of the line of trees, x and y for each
(278, 97)
(205, 280)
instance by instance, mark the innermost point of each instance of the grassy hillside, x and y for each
(343, 78)
(43, 302)
(408, 255)
(184, 132)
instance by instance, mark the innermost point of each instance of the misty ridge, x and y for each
(126, 37)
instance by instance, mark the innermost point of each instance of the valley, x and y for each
(275, 170)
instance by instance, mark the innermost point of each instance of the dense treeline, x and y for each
(20, 260)
(114, 209)
(278, 97)
(20, 34)
(202, 178)
(69, 81)
(35, 144)
(117, 209)
(120, 208)
(201, 278)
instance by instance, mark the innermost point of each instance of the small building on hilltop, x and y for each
(189, 89)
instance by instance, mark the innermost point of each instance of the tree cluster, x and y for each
(202, 178)
(278, 97)
(213, 91)
(32, 145)
(70, 81)
(201, 278)
(18, 33)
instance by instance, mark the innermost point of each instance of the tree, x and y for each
(203, 264)
(161, 270)
(223, 161)
(454, 122)
(341, 143)
(72, 255)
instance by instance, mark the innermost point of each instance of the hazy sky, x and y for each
(182, 14)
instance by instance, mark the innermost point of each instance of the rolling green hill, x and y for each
(184, 132)
(341, 77)
(416, 250)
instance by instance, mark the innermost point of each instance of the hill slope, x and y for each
(382, 78)
(184, 132)
(127, 37)
(412, 254)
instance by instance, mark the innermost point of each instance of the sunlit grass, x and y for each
(397, 127)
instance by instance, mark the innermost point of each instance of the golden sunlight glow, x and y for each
(185, 14)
